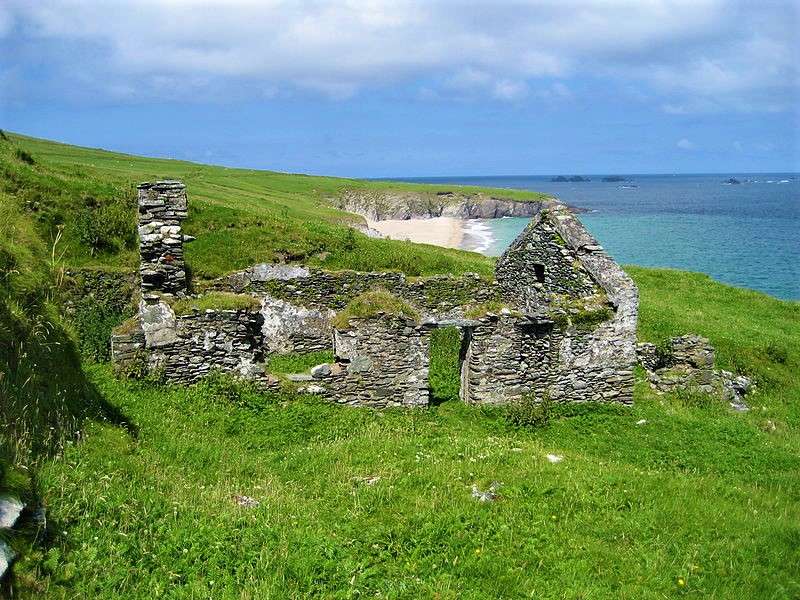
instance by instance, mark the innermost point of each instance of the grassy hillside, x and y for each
(697, 502)
(257, 216)
(63, 206)
(141, 481)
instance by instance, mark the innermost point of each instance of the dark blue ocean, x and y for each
(747, 235)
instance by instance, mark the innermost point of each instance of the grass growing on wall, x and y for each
(373, 303)
(696, 502)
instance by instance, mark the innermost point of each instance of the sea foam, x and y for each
(478, 236)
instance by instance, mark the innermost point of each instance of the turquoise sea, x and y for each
(745, 234)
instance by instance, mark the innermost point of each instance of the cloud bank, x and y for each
(695, 55)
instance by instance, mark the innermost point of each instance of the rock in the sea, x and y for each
(573, 179)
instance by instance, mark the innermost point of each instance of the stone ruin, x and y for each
(162, 207)
(687, 363)
(557, 320)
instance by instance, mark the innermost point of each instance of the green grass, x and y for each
(44, 395)
(476, 311)
(297, 362)
(139, 480)
(256, 216)
(445, 370)
(216, 301)
(698, 493)
(372, 303)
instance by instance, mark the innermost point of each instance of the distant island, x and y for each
(574, 179)
(614, 179)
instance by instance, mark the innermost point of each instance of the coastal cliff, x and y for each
(380, 205)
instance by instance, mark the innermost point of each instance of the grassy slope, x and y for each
(697, 493)
(257, 216)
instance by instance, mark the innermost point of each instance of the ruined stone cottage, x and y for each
(557, 320)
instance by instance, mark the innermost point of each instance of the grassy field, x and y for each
(697, 502)
(143, 483)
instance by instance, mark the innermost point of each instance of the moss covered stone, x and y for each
(373, 303)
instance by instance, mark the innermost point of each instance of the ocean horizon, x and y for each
(745, 234)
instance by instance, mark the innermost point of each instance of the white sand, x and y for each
(439, 231)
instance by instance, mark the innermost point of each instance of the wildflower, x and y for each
(681, 582)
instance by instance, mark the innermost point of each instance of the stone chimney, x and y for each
(162, 207)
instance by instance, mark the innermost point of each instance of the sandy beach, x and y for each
(440, 231)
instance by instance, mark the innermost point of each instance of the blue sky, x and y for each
(380, 88)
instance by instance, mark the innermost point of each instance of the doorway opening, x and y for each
(448, 349)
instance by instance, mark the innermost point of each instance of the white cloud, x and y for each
(685, 144)
(506, 89)
(703, 54)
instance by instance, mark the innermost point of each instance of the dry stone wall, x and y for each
(381, 362)
(128, 348)
(162, 207)
(539, 265)
(507, 357)
(384, 361)
(510, 357)
(298, 303)
(687, 363)
(437, 296)
(184, 348)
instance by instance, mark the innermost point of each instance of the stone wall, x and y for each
(114, 290)
(686, 362)
(95, 301)
(436, 296)
(540, 264)
(299, 302)
(509, 357)
(568, 362)
(184, 348)
(128, 348)
(292, 328)
(381, 362)
(162, 207)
